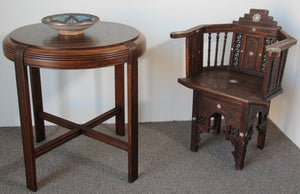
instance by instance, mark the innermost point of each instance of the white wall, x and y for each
(81, 95)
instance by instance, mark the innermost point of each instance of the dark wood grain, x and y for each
(84, 129)
(119, 99)
(106, 139)
(105, 116)
(195, 138)
(37, 100)
(104, 44)
(132, 84)
(241, 89)
(25, 118)
(89, 50)
(102, 34)
(50, 145)
(247, 89)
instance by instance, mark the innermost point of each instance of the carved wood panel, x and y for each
(252, 54)
(210, 105)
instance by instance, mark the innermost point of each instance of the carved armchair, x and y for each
(237, 81)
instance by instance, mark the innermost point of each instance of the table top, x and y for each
(101, 34)
(103, 44)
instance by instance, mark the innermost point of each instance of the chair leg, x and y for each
(240, 137)
(239, 153)
(195, 136)
(262, 128)
(217, 124)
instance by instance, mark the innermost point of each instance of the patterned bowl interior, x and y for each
(70, 23)
(70, 19)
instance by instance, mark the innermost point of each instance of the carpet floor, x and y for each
(166, 165)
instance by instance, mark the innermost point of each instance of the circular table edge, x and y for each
(76, 58)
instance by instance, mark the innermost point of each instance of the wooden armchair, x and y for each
(240, 88)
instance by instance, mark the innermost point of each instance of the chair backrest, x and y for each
(259, 48)
(252, 34)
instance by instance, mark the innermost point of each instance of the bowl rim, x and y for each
(43, 20)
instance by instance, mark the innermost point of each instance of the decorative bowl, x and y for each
(70, 23)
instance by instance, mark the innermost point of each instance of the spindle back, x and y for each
(249, 38)
(258, 47)
(208, 47)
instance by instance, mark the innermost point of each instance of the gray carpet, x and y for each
(166, 165)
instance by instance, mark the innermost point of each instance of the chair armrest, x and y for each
(274, 50)
(186, 33)
(213, 28)
(277, 53)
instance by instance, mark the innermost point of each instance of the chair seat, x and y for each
(229, 84)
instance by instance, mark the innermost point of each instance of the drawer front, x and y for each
(231, 111)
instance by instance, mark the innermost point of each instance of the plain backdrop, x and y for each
(80, 95)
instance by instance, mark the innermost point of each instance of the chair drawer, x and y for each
(210, 105)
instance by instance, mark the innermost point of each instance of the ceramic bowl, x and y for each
(70, 23)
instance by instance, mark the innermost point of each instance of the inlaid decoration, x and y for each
(201, 120)
(237, 49)
(256, 17)
(234, 131)
(267, 41)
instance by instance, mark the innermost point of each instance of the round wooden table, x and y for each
(104, 44)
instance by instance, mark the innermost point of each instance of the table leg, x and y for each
(119, 99)
(132, 82)
(37, 101)
(25, 118)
